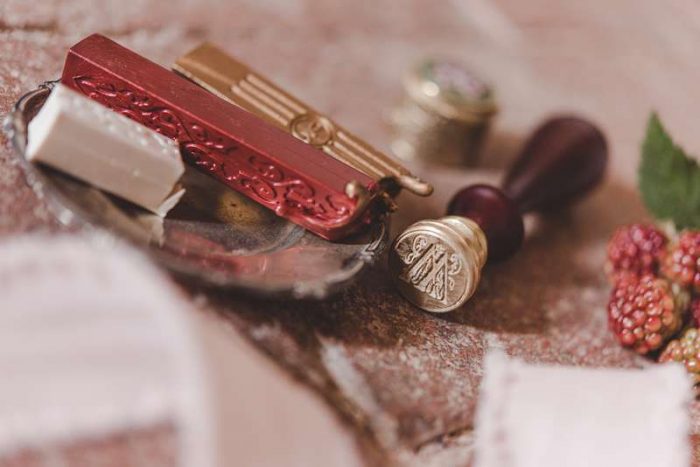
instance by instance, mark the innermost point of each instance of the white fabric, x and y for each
(93, 341)
(547, 416)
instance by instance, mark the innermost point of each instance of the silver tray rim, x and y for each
(71, 215)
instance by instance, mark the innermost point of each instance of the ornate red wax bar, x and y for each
(296, 180)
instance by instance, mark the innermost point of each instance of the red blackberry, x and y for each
(635, 249)
(682, 265)
(695, 312)
(644, 312)
(685, 350)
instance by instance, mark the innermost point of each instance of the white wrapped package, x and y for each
(105, 364)
(554, 416)
(96, 345)
(107, 150)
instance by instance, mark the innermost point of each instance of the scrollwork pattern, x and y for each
(255, 176)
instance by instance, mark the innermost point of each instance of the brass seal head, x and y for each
(450, 90)
(444, 116)
(436, 264)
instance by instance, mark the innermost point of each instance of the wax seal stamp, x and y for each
(439, 262)
(232, 80)
(444, 115)
(436, 264)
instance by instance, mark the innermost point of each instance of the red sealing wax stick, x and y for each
(266, 164)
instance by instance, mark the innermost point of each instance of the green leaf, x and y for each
(669, 180)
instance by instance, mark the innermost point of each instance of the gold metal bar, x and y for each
(221, 74)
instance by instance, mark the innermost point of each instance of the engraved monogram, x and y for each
(253, 175)
(430, 266)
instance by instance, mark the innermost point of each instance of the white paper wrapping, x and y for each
(94, 342)
(105, 149)
(552, 416)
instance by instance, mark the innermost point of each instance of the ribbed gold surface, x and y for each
(221, 74)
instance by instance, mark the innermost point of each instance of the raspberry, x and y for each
(685, 350)
(695, 311)
(682, 265)
(644, 312)
(635, 249)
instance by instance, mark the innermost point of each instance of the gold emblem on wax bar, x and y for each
(233, 81)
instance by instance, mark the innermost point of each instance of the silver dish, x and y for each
(213, 235)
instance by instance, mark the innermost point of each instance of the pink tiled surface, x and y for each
(404, 380)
